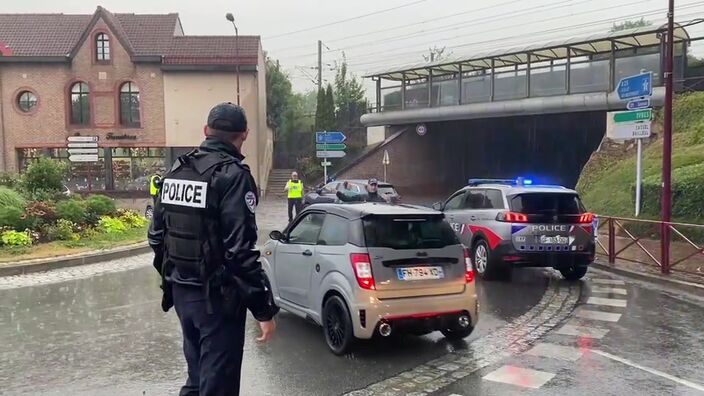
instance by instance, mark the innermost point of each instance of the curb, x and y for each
(46, 264)
(690, 287)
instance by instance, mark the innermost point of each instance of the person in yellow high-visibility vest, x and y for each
(294, 187)
(154, 186)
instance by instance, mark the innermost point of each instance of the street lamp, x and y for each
(231, 18)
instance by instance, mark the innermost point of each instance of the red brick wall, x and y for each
(49, 125)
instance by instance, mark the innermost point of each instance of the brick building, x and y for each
(136, 82)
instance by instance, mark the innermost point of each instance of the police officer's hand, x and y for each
(268, 328)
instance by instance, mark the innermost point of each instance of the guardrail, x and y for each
(640, 241)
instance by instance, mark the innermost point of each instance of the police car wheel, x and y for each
(574, 273)
(484, 264)
(337, 325)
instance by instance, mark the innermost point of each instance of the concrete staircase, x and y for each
(277, 182)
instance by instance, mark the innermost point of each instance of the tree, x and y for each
(630, 24)
(278, 93)
(436, 54)
(350, 106)
(325, 111)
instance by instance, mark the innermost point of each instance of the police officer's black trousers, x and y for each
(294, 203)
(212, 344)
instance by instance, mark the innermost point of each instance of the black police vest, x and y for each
(191, 217)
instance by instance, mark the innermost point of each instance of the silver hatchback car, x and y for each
(368, 268)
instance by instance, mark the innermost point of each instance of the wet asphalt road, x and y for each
(107, 335)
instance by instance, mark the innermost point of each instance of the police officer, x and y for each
(203, 234)
(294, 187)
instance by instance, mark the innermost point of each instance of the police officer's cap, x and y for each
(227, 117)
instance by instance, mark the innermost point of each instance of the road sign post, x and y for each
(329, 145)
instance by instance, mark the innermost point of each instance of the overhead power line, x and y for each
(345, 20)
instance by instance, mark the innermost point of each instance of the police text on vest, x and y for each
(184, 193)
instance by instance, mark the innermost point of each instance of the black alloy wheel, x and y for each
(337, 325)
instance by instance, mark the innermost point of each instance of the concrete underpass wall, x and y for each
(553, 148)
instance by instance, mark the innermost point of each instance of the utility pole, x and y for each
(320, 65)
(667, 144)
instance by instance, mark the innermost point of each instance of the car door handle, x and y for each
(307, 253)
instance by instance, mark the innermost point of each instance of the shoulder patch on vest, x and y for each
(251, 200)
(189, 193)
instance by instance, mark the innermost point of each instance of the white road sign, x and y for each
(82, 145)
(73, 151)
(82, 139)
(330, 154)
(386, 160)
(326, 163)
(83, 158)
(630, 130)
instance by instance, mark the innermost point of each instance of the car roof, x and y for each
(513, 190)
(356, 210)
(359, 181)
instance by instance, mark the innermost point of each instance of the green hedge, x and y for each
(11, 198)
(687, 194)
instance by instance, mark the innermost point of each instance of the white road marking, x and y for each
(598, 315)
(582, 331)
(518, 376)
(556, 352)
(608, 281)
(611, 302)
(650, 370)
(610, 290)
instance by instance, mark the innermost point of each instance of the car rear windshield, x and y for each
(416, 232)
(546, 203)
(386, 189)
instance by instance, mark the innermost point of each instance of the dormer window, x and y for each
(102, 47)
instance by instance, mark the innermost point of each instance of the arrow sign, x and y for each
(73, 151)
(637, 104)
(330, 154)
(84, 158)
(386, 160)
(82, 145)
(632, 116)
(82, 139)
(636, 86)
(331, 147)
(329, 137)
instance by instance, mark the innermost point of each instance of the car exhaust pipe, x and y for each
(463, 321)
(385, 329)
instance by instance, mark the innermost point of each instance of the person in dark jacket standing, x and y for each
(203, 234)
(373, 191)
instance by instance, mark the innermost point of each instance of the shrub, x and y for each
(62, 230)
(132, 219)
(11, 217)
(42, 210)
(112, 225)
(15, 238)
(100, 205)
(73, 210)
(11, 198)
(10, 180)
(44, 175)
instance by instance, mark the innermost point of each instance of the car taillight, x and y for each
(586, 218)
(362, 265)
(468, 271)
(512, 217)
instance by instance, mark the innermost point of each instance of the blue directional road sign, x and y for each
(636, 104)
(636, 86)
(329, 137)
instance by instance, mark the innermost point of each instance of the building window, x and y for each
(132, 167)
(80, 104)
(102, 47)
(26, 101)
(129, 105)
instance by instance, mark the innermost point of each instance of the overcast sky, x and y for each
(399, 35)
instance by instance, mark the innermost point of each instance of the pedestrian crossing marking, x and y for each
(608, 281)
(598, 315)
(611, 290)
(582, 331)
(611, 302)
(553, 351)
(518, 376)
